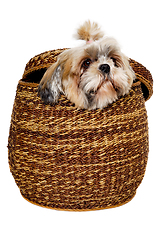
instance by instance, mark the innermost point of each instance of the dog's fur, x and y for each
(91, 76)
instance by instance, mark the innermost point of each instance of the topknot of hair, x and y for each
(89, 32)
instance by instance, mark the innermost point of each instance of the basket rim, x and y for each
(31, 84)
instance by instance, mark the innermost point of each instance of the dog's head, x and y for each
(92, 75)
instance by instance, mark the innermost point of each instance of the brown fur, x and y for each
(89, 32)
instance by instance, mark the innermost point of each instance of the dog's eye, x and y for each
(114, 61)
(86, 63)
(92, 92)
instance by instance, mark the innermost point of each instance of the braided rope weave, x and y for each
(70, 159)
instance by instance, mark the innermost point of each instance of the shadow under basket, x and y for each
(69, 159)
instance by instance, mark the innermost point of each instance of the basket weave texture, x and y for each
(70, 159)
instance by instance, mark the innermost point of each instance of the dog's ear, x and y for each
(129, 71)
(50, 85)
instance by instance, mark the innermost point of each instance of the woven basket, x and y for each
(70, 159)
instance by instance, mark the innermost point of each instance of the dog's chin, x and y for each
(105, 94)
(107, 89)
(98, 91)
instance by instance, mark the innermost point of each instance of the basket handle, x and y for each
(145, 77)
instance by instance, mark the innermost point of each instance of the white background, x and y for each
(32, 27)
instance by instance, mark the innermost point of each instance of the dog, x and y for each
(92, 75)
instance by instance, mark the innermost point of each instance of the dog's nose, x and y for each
(105, 68)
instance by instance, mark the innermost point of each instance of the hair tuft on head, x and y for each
(89, 32)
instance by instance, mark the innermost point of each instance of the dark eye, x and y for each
(92, 92)
(114, 61)
(86, 63)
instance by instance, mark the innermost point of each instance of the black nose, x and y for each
(105, 68)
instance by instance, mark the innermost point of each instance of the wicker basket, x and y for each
(70, 159)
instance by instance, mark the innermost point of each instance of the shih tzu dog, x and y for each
(91, 76)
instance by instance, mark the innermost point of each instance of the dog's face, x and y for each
(91, 76)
